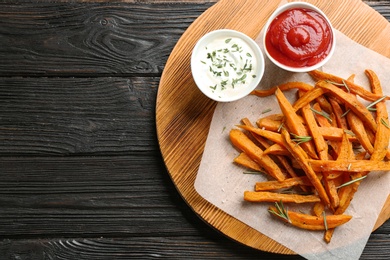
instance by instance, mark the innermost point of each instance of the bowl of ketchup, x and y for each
(298, 37)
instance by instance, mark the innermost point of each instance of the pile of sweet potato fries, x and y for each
(318, 149)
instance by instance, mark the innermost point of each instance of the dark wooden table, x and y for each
(81, 174)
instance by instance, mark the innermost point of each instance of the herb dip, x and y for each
(228, 65)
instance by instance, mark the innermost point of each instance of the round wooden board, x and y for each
(183, 113)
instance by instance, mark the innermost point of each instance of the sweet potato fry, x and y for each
(271, 122)
(354, 88)
(244, 160)
(265, 196)
(382, 119)
(287, 183)
(334, 133)
(338, 112)
(277, 149)
(308, 97)
(282, 87)
(272, 136)
(260, 139)
(349, 165)
(294, 124)
(243, 143)
(319, 141)
(359, 130)
(299, 154)
(310, 222)
(352, 103)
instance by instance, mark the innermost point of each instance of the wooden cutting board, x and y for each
(183, 113)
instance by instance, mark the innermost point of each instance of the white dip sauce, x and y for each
(228, 65)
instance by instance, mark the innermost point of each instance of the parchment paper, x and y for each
(223, 183)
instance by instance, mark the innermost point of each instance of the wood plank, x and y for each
(69, 116)
(100, 39)
(193, 247)
(89, 196)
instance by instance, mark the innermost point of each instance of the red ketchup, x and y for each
(299, 37)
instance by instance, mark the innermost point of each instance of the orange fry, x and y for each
(287, 183)
(272, 136)
(349, 165)
(244, 160)
(310, 222)
(308, 97)
(354, 88)
(271, 122)
(319, 141)
(283, 87)
(243, 143)
(382, 119)
(294, 124)
(360, 132)
(299, 154)
(351, 102)
(265, 196)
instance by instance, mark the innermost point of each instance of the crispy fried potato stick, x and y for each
(287, 183)
(346, 193)
(354, 88)
(299, 154)
(359, 130)
(244, 160)
(382, 119)
(271, 122)
(318, 208)
(308, 97)
(294, 124)
(334, 133)
(349, 165)
(243, 143)
(272, 136)
(338, 112)
(310, 222)
(351, 102)
(277, 149)
(319, 141)
(282, 87)
(266, 196)
(283, 161)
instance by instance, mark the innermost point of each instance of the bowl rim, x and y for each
(286, 7)
(252, 44)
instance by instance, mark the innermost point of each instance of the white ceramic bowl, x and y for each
(286, 7)
(209, 77)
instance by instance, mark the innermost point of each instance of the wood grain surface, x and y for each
(81, 172)
(183, 114)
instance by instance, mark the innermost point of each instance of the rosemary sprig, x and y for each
(281, 211)
(345, 113)
(280, 127)
(385, 123)
(344, 84)
(376, 102)
(322, 113)
(352, 181)
(349, 132)
(266, 111)
(253, 172)
(300, 139)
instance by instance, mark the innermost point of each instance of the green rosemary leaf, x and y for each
(385, 123)
(352, 181)
(322, 113)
